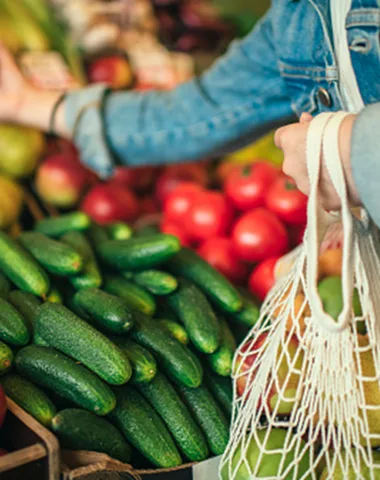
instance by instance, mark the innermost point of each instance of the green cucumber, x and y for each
(156, 282)
(197, 315)
(176, 359)
(25, 303)
(221, 389)
(97, 235)
(56, 257)
(119, 231)
(164, 399)
(139, 253)
(147, 230)
(135, 297)
(38, 340)
(144, 429)
(53, 370)
(250, 313)
(104, 310)
(208, 415)
(5, 286)
(90, 277)
(13, 328)
(55, 295)
(21, 268)
(176, 330)
(29, 397)
(6, 358)
(81, 430)
(58, 226)
(63, 330)
(220, 291)
(144, 366)
(221, 360)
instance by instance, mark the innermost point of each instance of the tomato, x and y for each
(246, 186)
(148, 205)
(180, 200)
(287, 202)
(296, 234)
(137, 178)
(209, 216)
(258, 235)
(3, 405)
(219, 253)
(262, 278)
(177, 230)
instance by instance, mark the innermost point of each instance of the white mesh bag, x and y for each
(306, 385)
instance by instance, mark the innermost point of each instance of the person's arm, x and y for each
(240, 93)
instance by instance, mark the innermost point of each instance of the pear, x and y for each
(11, 201)
(365, 473)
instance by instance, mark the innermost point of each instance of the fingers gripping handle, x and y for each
(323, 138)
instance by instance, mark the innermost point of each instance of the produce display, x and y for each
(132, 353)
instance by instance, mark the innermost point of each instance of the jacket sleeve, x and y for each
(222, 108)
(365, 159)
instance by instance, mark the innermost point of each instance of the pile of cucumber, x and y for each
(118, 341)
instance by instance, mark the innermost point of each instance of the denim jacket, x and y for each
(284, 67)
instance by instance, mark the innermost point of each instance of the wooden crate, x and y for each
(34, 450)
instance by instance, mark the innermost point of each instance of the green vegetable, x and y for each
(13, 328)
(58, 226)
(156, 282)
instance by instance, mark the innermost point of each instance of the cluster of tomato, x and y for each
(242, 229)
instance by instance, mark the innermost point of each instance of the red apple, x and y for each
(3, 405)
(114, 70)
(62, 180)
(282, 385)
(107, 203)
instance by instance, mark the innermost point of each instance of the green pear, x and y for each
(365, 473)
(270, 462)
(330, 292)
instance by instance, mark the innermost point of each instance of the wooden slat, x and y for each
(21, 457)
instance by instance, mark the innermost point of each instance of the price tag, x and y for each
(47, 70)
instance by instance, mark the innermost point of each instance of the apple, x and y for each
(62, 180)
(281, 389)
(108, 203)
(114, 70)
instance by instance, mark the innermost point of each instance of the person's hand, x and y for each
(13, 87)
(292, 140)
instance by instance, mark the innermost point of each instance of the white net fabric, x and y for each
(307, 398)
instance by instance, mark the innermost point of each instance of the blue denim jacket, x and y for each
(285, 66)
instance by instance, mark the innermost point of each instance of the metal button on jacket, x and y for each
(324, 97)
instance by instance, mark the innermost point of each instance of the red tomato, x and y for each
(3, 405)
(180, 200)
(219, 253)
(296, 234)
(262, 278)
(148, 205)
(287, 202)
(246, 186)
(177, 230)
(196, 172)
(258, 235)
(137, 178)
(209, 216)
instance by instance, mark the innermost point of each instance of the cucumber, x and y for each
(6, 358)
(144, 366)
(63, 330)
(250, 313)
(38, 340)
(147, 230)
(176, 330)
(164, 399)
(220, 291)
(5, 286)
(104, 310)
(56, 257)
(57, 226)
(25, 303)
(144, 429)
(139, 253)
(176, 359)
(199, 319)
(127, 275)
(13, 328)
(221, 360)
(119, 231)
(221, 389)
(134, 296)
(90, 277)
(21, 268)
(156, 282)
(208, 415)
(29, 397)
(97, 235)
(81, 430)
(55, 295)
(53, 370)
